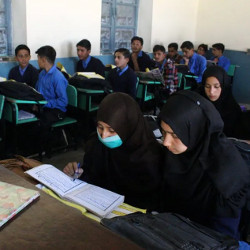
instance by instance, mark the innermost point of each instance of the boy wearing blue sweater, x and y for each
(123, 78)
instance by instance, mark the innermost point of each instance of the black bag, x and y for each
(153, 75)
(244, 149)
(80, 81)
(168, 231)
(20, 91)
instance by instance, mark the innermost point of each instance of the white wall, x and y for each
(62, 23)
(225, 21)
(18, 18)
(173, 21)
(145, 23)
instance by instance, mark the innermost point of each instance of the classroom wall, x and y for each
(225, 21)
(62, 23)
(173, 21)
(145, 24)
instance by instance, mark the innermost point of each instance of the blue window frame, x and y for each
(5, 28)
(118, 24)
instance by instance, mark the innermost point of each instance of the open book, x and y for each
(13, 199)
(98, 200)
(90, 75)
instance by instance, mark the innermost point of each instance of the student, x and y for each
(217, 50)
(52, 85)
(173, 53)
(88, 63)
(24, 72)
(217, 89)
(123, 78)
(202, 49)
(167, 68)
(196, 63)
(205, 177)
(139, 60)
(123, 156)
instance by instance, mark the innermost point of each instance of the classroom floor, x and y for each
(61, 158)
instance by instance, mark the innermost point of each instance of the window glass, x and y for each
(5, 23)
(119, 24)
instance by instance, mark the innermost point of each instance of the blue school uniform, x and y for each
(123, 81)
(52, 85)
(91, 64)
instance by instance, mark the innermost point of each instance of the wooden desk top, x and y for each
(49, 224)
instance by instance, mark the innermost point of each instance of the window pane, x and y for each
(105, 39)
(2, 19)
(125, 16)
(3, 42)
(2, 5)
(123, 38)
(106, 14)
(127, 1)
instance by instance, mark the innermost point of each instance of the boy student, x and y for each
(139, 60)
(167, 68)
(24, 72)
(88, 63)
(52, 85)
(196, 63)
(219, 59)
(123, 78)
(173, 53)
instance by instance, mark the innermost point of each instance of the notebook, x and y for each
(22, 115)
(14, 199)
(98, 200)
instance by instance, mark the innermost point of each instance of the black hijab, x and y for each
(211, 173)
(228, 108)
(133, 168)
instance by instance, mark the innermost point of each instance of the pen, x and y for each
(76, 174)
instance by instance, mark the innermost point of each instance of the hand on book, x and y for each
(71, 168)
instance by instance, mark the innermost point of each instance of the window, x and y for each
(119, 24)
(5, 37)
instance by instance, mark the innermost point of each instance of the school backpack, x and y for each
(168, 231)
(19, 90)
(80, 81)
(244, 149)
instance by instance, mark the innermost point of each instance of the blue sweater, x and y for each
(30, 75)
(126, 82)
(52, 85)
(94, 65)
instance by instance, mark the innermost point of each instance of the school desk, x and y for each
(49, 224)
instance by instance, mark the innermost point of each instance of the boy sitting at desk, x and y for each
(88, 63)
(197, 64)
(219, 59)
(24, 72)
(173, 53)
(167, 68)
(123, 78)
(52, 85)
(139, 60)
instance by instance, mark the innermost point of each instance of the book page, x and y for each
(55, 179)
(90, 75)
(98, 200)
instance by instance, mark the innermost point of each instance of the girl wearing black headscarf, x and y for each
(205, 177)
(216, 88)
(124, 155)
